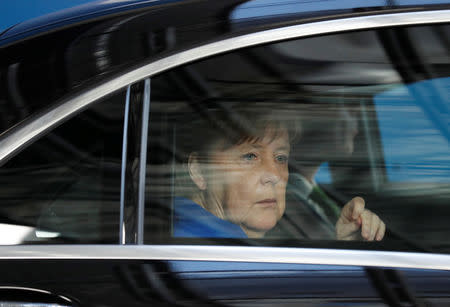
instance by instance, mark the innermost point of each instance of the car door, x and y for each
(334, 87)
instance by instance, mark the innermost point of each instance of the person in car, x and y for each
(237, 163)
(328, 133)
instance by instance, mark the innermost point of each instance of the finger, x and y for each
(366, 226)
(353, 209)
(358, 207)
(381, 231)
(346, 231)
(374, 226)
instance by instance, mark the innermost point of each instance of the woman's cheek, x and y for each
(282, 189)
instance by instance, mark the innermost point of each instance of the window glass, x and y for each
(65, 187)
(297, 143)
(414, 126)
(323, 174)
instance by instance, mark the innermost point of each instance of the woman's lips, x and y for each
(268, 202)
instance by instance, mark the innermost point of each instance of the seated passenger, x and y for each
(328, 133)
(237, 162)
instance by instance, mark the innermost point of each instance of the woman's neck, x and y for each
(253, 234)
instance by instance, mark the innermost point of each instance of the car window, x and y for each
(273, 143)
(65, 187)
(416, 149)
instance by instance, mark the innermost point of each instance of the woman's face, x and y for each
(249, 180)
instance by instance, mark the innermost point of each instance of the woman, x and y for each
(239, 172)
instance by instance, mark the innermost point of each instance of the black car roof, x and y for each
(248, 9)
(76, 14)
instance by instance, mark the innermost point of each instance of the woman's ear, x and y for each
(195, 171)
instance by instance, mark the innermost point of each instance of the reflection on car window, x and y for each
(288, 141)
(323, 175)
(413, 122)
(64, 188)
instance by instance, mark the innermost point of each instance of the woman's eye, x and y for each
(249, 156)
(281, 159)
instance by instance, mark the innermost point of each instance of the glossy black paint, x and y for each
(180, 283)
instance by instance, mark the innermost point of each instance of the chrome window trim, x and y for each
(230, 253)
(143, 161)
(23, 134)
(123, 167)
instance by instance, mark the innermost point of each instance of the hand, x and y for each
(354, 217)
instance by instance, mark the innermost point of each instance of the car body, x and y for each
(92, 99)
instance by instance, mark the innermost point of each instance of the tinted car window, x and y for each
(416, 149)
(281, 114)
(65, 187)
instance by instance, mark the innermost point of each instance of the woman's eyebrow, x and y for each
(282, 147)
(287, 148)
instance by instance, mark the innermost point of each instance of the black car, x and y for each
(165, 153)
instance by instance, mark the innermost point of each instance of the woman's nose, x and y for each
(270, 173)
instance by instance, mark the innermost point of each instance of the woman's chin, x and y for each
(262, 226)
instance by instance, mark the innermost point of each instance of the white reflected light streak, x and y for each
(230, 253)
(14, 234)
